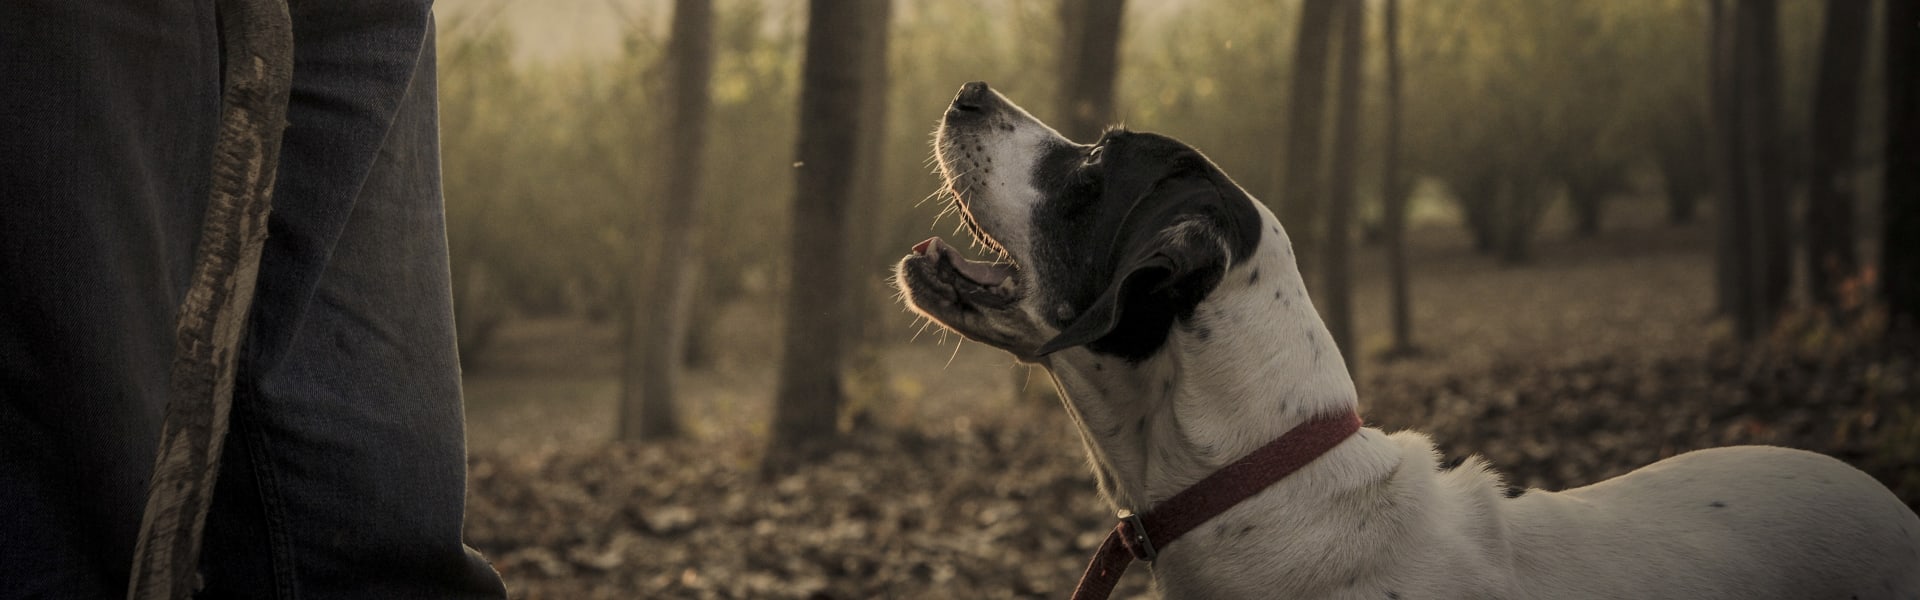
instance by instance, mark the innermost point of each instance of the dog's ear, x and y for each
(1170, 250)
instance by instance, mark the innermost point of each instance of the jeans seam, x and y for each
(280, 546)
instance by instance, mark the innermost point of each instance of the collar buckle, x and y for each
(1133, 535)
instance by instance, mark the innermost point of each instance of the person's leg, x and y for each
(107, 114)
(344, 476)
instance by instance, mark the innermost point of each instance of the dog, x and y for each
(1167, 307)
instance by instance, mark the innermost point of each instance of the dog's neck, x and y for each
(1253, 362)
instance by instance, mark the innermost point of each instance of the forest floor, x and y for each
(1596, 357)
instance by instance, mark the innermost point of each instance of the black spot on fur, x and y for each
(1393, 595)
(1276, 294)
(1452, 463)
(1105, 231)
(1515, 491)
(1717, 504)
(1254, 278)
(1096, 367)
(1166, 387)
(1245, 530)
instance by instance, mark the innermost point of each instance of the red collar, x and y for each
(1202, 501)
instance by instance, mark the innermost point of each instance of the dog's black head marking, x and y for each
(1139, 228)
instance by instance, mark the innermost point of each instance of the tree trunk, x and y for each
(1768, 241)
(868, 375)
(1729, 180)
(1586, 202)
(1299, 182)
(1088, 65)
(1478, 196)
(657, 339)
(1900, 247)
(1829, 218)
(1683, 168)
(1517, 211)
(1338, 292)
(1395, 194)
(808, 399)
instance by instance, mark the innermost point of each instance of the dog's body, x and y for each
(1167, 306)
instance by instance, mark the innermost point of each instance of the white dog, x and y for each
(1166, 305)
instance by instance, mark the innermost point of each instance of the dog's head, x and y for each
(1104, 245)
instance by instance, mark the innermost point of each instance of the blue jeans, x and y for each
(344, 470)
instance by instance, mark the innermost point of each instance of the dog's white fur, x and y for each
(1375, 517)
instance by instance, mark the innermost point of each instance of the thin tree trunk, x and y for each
(1518, 211)
(1900, 246)
(1299, 181)
(1586, 202)
(1346, 136)
(1829, 218)
(869, 182)
(1768, 241)
(1395, 192)
(1088, 65)
(1729, 180)
(868, 374)
(809, 397)
(657, 343)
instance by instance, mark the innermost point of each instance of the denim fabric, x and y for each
(344, 471)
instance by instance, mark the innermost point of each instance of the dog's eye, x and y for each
(1093, 156)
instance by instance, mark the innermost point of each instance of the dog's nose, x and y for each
(972, 97)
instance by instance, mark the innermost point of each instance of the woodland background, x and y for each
(1572, 236)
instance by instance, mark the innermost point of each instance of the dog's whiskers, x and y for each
(956, 353)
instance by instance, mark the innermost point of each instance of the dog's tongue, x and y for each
(985, 274)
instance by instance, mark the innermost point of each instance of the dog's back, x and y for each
(1743, 522)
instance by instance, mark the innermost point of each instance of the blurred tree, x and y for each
(1680, 150)
(1768, 238)
(1829, 218)
(756, 85)
(1336, 266)
(664, 277)
(867, 374)
(1299, 176)
(1675, 82)
(1730, 240)
(1394, 190)
(1900, 246)
(1588, 187)
(1754, 262)
(1585, 137)
(1089, 63)
(808, 398)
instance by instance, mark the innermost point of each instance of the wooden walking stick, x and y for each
(257, 42)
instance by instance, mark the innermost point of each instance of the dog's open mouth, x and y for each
(939, 269)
